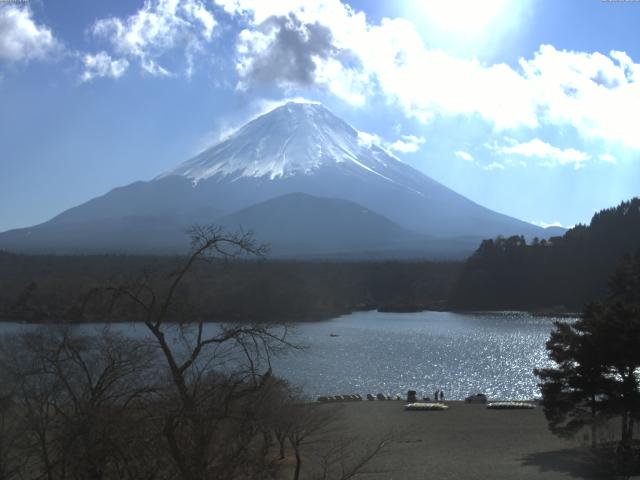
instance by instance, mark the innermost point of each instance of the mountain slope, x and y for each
(294, 148)
(139, 233)
(305, 148)
(298, 223)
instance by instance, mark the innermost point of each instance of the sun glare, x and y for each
(464, 25)
(461, 16)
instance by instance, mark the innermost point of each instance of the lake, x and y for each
(371, 352)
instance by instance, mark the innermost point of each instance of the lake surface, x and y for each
(391, 353)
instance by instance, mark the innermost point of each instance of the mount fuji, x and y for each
(302, 179)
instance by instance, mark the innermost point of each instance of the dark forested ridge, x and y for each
(561, 273)
(51, 288)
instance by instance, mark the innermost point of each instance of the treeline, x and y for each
(52, 288)
(561, 273)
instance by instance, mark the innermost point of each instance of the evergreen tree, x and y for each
(597, 362)
(561, 273)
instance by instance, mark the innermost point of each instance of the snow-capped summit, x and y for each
(295, 138)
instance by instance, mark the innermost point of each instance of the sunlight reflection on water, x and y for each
(391, 353)
(394, 352)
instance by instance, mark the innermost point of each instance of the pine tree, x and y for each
(597, 362)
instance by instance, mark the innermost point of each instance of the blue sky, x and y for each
(527, 107)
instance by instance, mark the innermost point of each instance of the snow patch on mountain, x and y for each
(295, 138)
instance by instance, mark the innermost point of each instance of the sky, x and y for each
(530, 108)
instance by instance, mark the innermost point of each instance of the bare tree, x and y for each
(306, 420)
(74, 397)
(215, 372)
(348, 456)
(192, 400)
(10, 463)
(316, 433)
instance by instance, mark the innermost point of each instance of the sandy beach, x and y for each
(464, 442)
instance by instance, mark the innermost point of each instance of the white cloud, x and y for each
(197, 12)
(102, 65)
(392, 57)
(552, 224)
(607, 158)
(598, 94)
(368, 139)
(159, 27)
(260, 10)
(288, 51)
(260, 106)
(21, 38)
(349, 85)
(468, 18)
(406, 144)
(549, 155)
(427, 83)
(493, 166)
(466, 156)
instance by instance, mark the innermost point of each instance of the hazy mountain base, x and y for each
(51, 288)
(558, 275)
(296, 226)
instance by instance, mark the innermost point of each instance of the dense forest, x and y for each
(561, 273)
(53, 288)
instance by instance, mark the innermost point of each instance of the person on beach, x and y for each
(435, 395)
(441, 396)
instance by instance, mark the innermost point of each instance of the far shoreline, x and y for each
(551, 313)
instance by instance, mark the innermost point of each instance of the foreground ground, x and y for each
(464, 442)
